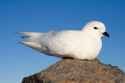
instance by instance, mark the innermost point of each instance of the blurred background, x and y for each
(18, 61)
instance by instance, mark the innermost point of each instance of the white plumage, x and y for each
(79, 44)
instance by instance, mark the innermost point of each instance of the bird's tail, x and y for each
(30, 39)
(30, 34)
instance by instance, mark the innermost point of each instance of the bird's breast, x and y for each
(87, 48)
(93, 47)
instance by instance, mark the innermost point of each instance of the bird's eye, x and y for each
(95, 28)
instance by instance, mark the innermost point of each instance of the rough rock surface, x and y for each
(78, 71)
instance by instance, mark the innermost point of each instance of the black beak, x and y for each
(106, 34)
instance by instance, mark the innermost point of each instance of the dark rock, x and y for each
(78, 71)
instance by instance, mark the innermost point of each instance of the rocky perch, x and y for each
(78, 71)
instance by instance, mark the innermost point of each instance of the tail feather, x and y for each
(32, 34)
(31, 44)
(29, 37)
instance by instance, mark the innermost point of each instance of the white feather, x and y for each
(82, 44)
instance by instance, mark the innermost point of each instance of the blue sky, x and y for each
(17, 61)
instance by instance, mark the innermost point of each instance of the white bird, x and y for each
(78, 44)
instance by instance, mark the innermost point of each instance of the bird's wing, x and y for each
(30, 34)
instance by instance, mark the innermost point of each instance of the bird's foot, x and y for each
(67, 58)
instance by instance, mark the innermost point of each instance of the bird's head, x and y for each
(95, 29)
